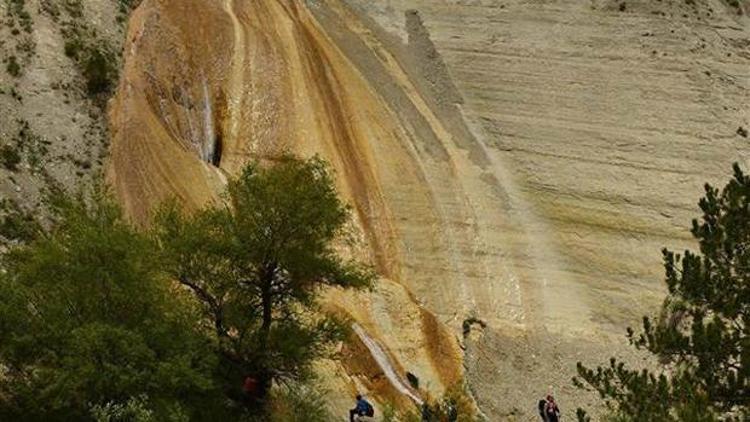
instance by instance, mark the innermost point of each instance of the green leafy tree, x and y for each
(701, 335)
(99, 69)
(256, 264)
(88, 318)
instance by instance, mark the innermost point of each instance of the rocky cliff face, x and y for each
(519, 163)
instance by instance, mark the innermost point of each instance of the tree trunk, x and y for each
(264, 375)
(265, 328)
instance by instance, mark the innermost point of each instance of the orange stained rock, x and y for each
(209, 86)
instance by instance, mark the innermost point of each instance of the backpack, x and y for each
(542, 407)
(370, 411)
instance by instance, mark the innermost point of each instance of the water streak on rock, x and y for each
(381, 357)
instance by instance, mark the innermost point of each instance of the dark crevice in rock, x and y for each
(215, 158)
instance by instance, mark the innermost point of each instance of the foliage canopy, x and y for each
(88, 318)
(256, 264)
(101, 321)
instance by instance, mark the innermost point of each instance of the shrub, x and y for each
(299, 403)
(94, 57)
(88, 319)
(17, 9)
(9, 157)
(134, 409)
(17, 224)
(99, 70)
(13, 67)
(73, 47)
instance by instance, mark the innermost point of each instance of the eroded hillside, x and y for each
(510, 162)
(59, 65)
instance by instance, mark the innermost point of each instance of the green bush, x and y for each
(134, 409)
(13, 67)
(9, 157)
(299, 403)
(99, 70)
(73, 47)
(17, 224)
(87, 319)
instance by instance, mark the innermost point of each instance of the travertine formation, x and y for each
(519, 163)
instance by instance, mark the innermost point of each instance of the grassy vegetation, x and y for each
(92, 54)
(34, 147)
(124, 9)
(25, 145)
(299, 403)
(95, 58)
(454, 406)
(18, 14)
(21, 26)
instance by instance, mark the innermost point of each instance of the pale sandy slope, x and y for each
(67, 132)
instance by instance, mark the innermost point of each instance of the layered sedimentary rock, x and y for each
(519, 163)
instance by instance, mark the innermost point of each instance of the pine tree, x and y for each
(701, 336)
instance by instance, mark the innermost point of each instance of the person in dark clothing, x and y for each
(551, 410)
(542, 406)
(363, 408)
(426, 412)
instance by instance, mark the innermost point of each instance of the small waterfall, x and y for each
(208, 147)
(194, 138)
(384, 363)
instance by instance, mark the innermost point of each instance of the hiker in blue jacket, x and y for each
(363, 408)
